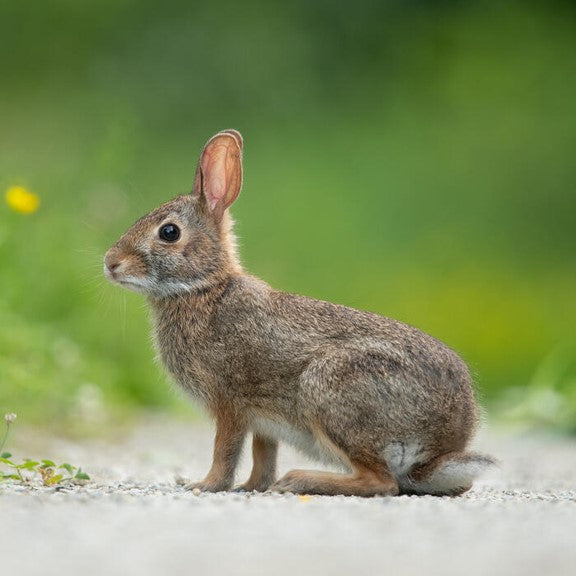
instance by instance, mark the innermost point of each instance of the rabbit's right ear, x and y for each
(218, 177)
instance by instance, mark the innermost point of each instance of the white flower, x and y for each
(9, 418)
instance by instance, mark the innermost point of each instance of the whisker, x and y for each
(90, 225)
(89, 251)
(123, 316)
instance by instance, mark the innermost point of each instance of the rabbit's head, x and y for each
(185, 245)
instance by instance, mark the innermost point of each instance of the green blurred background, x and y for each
(414, 158)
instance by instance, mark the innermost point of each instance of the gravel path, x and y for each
(133, 518)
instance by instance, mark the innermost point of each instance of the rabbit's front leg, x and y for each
(264, 456)
(230, 434)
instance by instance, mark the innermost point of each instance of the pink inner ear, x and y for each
(218, 168)
(214, 168)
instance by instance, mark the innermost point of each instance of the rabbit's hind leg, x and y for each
(367, 477)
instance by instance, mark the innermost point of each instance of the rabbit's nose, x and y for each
(111, 264)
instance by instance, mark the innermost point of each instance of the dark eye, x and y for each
(169, 233)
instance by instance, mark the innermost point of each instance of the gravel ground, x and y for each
(134, 519)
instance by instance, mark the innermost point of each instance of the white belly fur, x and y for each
(302, 440)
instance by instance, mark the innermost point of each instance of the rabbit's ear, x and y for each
(219, 173)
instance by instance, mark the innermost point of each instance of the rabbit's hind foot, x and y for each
(362, 482)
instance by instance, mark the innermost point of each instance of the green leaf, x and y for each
(48, 464)
(68, 467)
(28, 465)
(6, 461)
(9, 477)
(81, 475)
(5, 455)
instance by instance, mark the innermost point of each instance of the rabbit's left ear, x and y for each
(219, 173)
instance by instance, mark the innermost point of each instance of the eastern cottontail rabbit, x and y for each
(389, 404)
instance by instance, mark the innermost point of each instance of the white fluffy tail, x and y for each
(449, 475)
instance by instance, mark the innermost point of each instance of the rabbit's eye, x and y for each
(169, 233)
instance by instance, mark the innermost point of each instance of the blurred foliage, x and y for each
(415, 158)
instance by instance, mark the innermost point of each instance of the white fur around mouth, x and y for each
(151, 286)
(133, 283)
(136, 284)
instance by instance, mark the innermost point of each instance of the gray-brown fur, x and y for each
(390, 405)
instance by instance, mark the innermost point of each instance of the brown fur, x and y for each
(381, 399)
(263, 475)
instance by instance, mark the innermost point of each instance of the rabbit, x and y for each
(389, 406)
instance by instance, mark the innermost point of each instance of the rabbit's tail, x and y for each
(448, 475)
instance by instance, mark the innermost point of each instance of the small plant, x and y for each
(50, 473)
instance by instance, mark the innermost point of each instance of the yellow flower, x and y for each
(21, 200)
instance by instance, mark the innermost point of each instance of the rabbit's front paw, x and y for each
(205, 486)
(260, 486)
